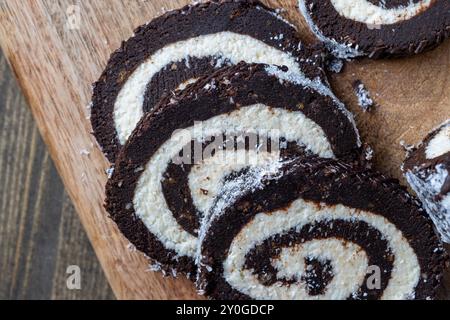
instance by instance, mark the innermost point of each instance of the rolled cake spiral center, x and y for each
(149, 202)
(348, 262)
(224, 46)
(192, 181)
(372, 14)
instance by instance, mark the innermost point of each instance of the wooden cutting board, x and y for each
(57, 50)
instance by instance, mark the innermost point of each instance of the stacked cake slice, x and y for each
(236, 166)
(378, 28)
(241, 117)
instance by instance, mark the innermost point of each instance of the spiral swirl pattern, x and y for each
(181, 46)
(236, 121)
(319, 230)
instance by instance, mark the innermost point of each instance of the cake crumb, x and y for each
(407, 147)
(335, 65)
(84, 152)
(109, 172)
(364, 97)
(369, 153)
(131, 247)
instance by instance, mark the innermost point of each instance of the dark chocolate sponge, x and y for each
(349, 38)
(245, 18)
(318, 229)
(235, 101)
(427, 169)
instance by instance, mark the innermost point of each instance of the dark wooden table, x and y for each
(40, 233)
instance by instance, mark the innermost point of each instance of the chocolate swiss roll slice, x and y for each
(427, 169)
(243, 116)
(179, 47)
(378, 28)
(312, 228)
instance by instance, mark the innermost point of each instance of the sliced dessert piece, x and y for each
(243, 116)
(181, 46)
(312, 228)
(427, 169)
(378, 28)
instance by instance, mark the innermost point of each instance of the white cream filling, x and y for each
(128, 108)
(149, 202)
(371, 14)
(318, 86)
(206, 178)
(439, 145)
(405, 273)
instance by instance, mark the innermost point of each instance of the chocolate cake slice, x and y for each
(240, 117)
(311, 228)
(179, 47)
(378, 28)
(427, 169)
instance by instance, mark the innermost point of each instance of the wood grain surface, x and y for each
(57, 55)
(40, 233)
